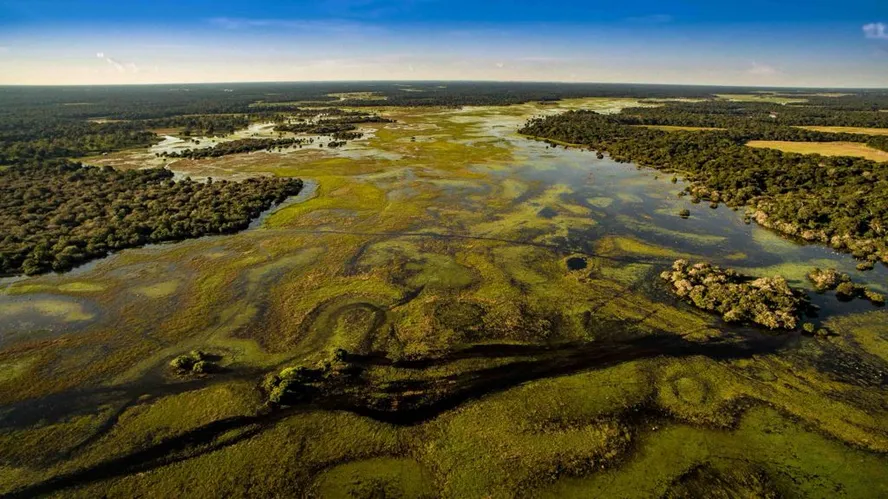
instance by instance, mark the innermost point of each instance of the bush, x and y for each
(194, 361)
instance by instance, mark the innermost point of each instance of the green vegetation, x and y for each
(831, 279)
(447, 311)
(57, 216)
(839, 201)
(236, 147)
(195, 362)
(738, 298)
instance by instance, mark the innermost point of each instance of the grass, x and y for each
(764, 442)
(823, 148)
(762, 97)
(379, 477)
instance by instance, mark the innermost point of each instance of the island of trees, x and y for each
(766, 301)
(236, 147)
(55, 216)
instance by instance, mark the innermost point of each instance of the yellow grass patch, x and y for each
(772, 98)
(855, 149)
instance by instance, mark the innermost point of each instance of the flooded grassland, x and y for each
(500, 297)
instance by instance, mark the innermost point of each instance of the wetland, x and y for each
(448, 308)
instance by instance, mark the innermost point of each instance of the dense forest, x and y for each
(841, 201)
(54, 216)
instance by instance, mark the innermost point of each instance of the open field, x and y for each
(762, 97)
(437, 251)
(823, 148)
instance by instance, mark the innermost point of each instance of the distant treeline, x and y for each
(725, 114)
(841, 201)
(56, 215)
(38, 123)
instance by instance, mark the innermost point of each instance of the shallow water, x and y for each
(642, 203)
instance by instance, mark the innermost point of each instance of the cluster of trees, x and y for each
(323, 125)
(298, 384)
(56, 215)
(193, 362)
(879, 142)
(236, 147)
(767, 301)
(25, 139)
(832, 279)
(841, 201)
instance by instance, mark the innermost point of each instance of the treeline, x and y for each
(841, 201)
(205, 125)
(56, 215)
(25, 140)
(237, 147)
(725, 114)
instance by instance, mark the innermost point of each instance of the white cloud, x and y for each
(3, 49)
(876, 31)
(121, 67)
(500, 65)
(762, 70)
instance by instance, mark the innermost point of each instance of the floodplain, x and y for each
(498, 294)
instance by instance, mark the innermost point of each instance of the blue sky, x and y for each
(756, 42)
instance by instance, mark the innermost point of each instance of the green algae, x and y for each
(380, 477)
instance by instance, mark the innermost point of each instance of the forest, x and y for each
(841, 201)
(55, 216)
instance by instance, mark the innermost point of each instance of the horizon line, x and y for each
(562, 82)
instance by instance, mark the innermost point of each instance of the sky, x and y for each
(814, 43)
